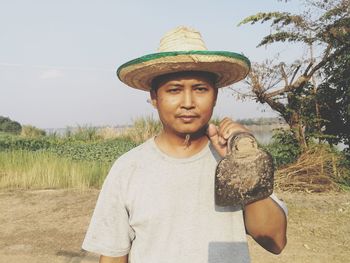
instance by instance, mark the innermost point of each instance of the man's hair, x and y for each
(157, 80)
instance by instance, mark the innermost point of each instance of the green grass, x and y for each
(46, 162)
(44, 170)
(102, 150)
(82, 157)
(77, 161)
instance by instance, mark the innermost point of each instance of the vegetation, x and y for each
(300, 91)
(31, 131)
(320, 168)
(283, 147)
(7, 125)
(311, 94)
(142, 129)
(40, 170)
(334, 100)
(79, 159)
(82, 157)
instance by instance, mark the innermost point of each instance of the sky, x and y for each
(58, 58)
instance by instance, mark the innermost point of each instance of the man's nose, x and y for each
(187, 101)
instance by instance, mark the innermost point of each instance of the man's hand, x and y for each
(219, 135)
(264, 219)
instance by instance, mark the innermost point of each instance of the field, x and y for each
(49, 185)
(63, 162)
(49, 225)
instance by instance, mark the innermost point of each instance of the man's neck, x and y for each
(180, 145)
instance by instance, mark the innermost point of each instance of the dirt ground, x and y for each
(49, 226)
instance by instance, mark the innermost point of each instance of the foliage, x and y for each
(30, 131)
(22, 143)
(41, 170)
(334, 98)
(142, 129)
(7, 125)
(103, 151)
(329, 27)
(82, 133)
(107, 133)
(293, 89)
(320, 168)
(80, 160)
(284, 148)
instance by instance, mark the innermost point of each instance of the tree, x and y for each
(292, 90)
(334, 99)
(7, 125)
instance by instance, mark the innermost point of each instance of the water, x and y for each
(263, 133)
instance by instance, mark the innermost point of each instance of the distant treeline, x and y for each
(8, 125)
(261, 121)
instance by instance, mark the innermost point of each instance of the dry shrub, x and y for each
(142, 129)
(316, 170)
(29, 131)
(106, 133)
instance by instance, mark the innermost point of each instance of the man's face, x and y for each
(184, 101)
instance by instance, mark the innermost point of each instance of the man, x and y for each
(157, 202)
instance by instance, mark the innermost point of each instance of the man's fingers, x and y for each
(228, 127)
(215, 136)
(212, 132)
(220, 135)
(217, 141)
(222, 141)
(224, 123)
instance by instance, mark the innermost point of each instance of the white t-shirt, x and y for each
(160, 209)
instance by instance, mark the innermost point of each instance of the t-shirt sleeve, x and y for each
(109, 232)
(280, 203)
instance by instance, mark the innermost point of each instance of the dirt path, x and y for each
(49, 226)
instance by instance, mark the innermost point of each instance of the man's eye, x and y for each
(174, 90)
(201, 89)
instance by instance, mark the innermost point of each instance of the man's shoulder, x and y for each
(137, 151)
(135, 155)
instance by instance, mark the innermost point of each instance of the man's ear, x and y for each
(153, 98)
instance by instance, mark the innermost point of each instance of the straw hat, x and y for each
(183, 49)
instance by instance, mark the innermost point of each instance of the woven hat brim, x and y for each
(230, 67)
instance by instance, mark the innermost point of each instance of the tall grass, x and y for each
(81, 160)
(30, 131)
(142, 129)
(41, 170)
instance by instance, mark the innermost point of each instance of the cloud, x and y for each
(51, 74)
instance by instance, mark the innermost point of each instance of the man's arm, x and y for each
(266, 222)
(105, 259)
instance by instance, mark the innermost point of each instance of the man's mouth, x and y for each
(187, 118)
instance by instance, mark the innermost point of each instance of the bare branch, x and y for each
(308, 68)
(326, 58)
(294, 74)
(274, 104)
(278, 92)
(284, 74)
